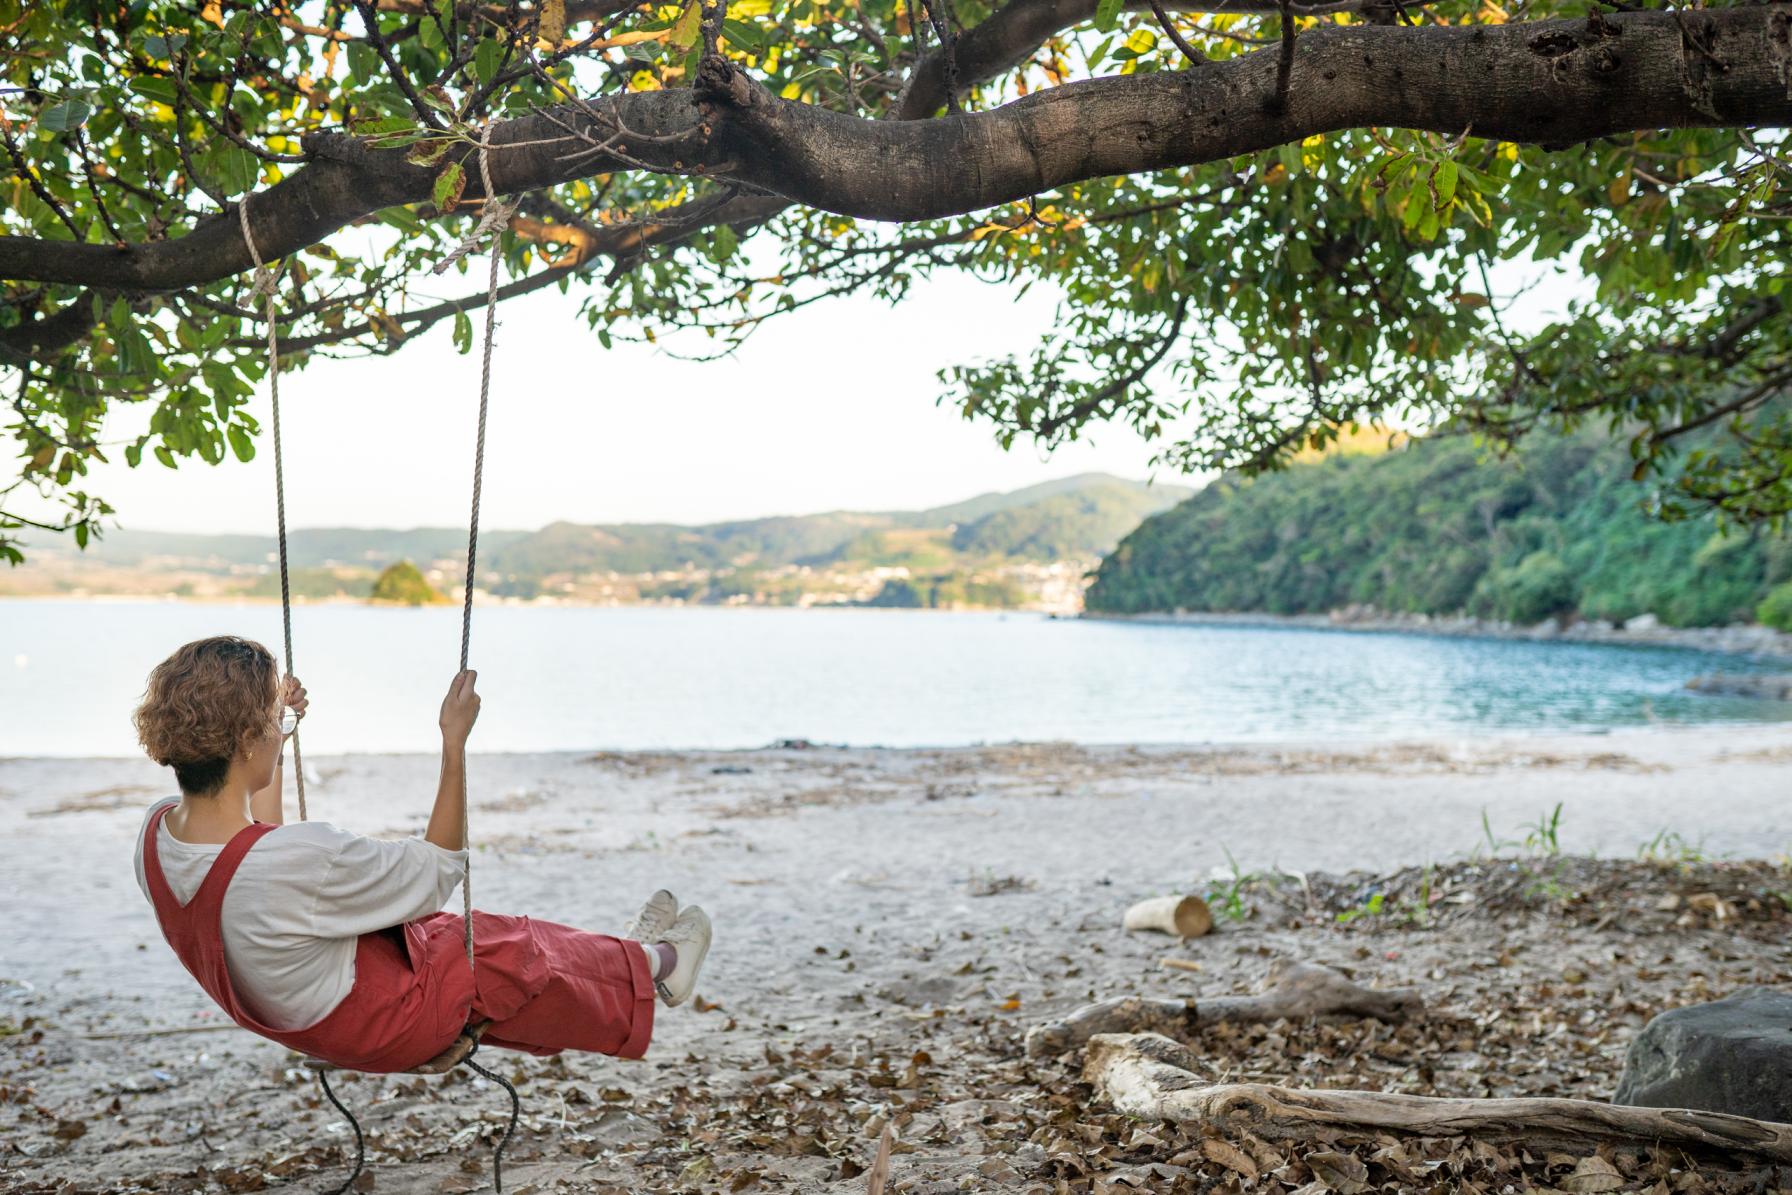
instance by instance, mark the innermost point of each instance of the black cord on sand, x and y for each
(323, 1080)
(516, 1111)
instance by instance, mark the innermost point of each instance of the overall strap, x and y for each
(208, 902)
(160, 895)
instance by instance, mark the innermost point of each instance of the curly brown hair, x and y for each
(203, 703)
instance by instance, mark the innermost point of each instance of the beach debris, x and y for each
(879, 1173)
(1295, 990)
(990, 885)
(1183, 916)
(1149, 1076)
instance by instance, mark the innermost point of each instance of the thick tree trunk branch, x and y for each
(1552, 82)
(1154, 1078)
(1008, 36)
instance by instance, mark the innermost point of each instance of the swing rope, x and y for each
(266, 279)
(466, 605)
(493, 219)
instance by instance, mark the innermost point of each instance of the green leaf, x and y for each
(157, 46)
(725, 242)
(385, 126)
(241, 443)
(1107, 14)
(744, 36)
(69, 114)
(151, 88)
(688, 27)
(363, 62)
(237, 169)
(166, 457)
(427, 153)
(1445, 181)
(450, 183)
(463, 332)
(401, 218)
(486, 60)
(1417, 204)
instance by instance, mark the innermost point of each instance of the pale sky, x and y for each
(829, 408)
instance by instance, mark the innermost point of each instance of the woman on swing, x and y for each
(334, 944)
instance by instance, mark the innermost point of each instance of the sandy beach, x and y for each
(889, 924)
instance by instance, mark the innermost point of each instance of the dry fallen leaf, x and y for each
(1591, 1175)
(1341, 1171)
(1229, 1156)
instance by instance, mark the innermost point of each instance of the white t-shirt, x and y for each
(299, 901)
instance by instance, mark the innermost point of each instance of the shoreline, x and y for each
(1738, 639)
(1730, 734)
(483, 600)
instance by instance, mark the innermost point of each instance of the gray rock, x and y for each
(1766, 686)
(1732, 1055)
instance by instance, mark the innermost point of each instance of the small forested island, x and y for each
(1437, 526)
(402, 584)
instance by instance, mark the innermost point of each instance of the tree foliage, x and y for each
(404, 584)
(1254, 250)
(1436, 527)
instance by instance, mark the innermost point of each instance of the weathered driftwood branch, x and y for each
(1183, 916)
(1152, 1077)
(1295, 990)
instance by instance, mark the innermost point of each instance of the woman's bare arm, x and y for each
(460, 709)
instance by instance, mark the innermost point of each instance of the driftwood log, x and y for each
(1183, 916)
(1150, 1076)
(1295, 990)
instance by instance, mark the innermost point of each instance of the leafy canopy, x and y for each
(1235, 312)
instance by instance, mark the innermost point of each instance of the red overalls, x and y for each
(544, 987)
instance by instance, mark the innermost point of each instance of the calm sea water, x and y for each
(558, 678)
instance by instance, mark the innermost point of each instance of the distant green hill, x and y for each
(1436, 528)
(313, 547)
(1088, 520)
(1071, 518)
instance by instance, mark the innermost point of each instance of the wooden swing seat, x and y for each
(458, 1051)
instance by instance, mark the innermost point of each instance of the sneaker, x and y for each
(689, 936)
(654, 919)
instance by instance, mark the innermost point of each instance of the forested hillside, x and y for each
(1024, 547)
(1072, 517)
(1437, 527)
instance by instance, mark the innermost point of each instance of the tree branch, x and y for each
(1548, 82)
